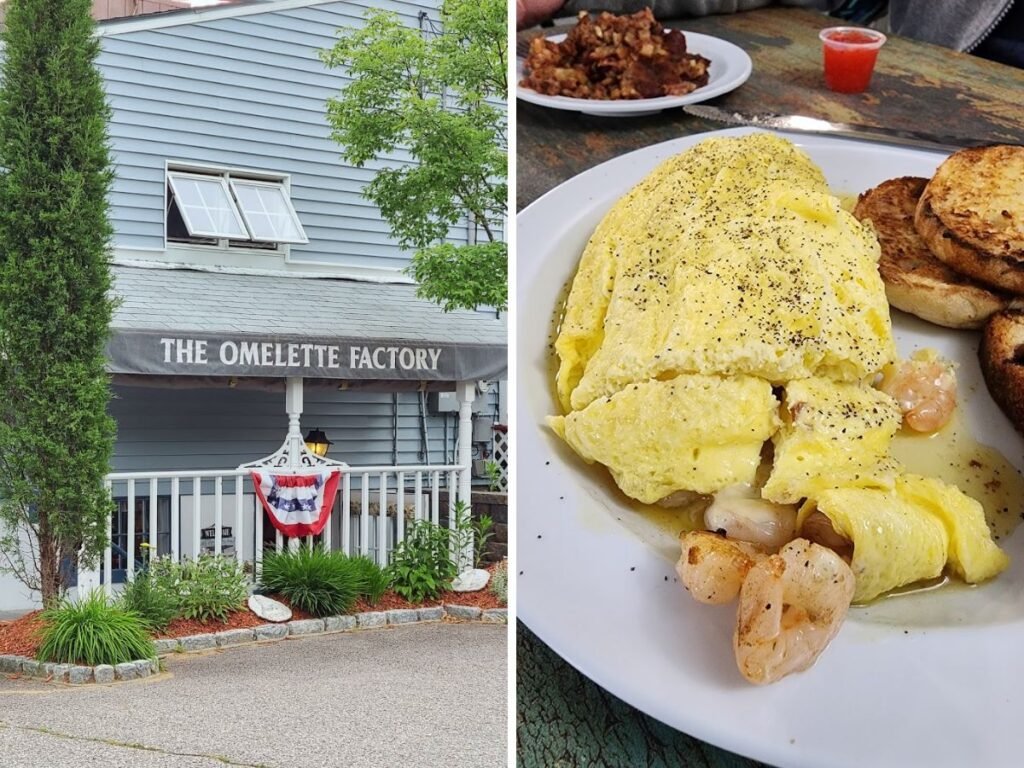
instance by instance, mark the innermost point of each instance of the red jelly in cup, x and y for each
(850, 54)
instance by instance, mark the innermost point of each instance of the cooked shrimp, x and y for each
(925, 389)
(818, 529)
(791, 606)
(712, 567)
(740, 513)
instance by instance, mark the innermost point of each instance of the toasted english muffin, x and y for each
(916, 281)
(1002, 363)
(971, 215)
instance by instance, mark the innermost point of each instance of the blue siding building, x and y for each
(239, 230)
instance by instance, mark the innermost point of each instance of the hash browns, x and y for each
(615, 57)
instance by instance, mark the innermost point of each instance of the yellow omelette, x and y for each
(728, 279)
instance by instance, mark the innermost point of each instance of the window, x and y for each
(206, 206)
(227, 209)
(121, 548)
(268, 212)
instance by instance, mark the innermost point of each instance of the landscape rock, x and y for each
(80, 675)
(166, 645)
(339, 623)
(235, 637)
(104, 673)
(60, 672)
(496, 615)
(143, 668)
(472, 580)
(269, 609)
(11, 664)
(198, 642)
(272, 632)
(305, 626)
(371, 619)
(402, 616)
(434, 613)
(125, 671)
(31, 668)
(463, 611)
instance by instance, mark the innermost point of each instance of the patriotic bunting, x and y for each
(298, 504)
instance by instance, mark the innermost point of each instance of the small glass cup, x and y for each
(849, 56)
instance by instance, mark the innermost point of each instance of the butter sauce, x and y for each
(954, 456)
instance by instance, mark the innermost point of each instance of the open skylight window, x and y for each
(206, 206)
(267, 211)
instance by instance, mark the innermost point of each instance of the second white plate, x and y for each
(935, 679)
(730, 67)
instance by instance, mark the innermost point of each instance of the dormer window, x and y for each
(229, 209)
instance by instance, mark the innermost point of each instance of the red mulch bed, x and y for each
(390, 601)
(482, 599)
(21, 636)
(242, 619)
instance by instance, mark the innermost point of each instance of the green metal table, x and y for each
(564, 719)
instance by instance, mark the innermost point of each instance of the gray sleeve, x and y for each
(958, 24)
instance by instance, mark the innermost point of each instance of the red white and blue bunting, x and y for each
(298, 504)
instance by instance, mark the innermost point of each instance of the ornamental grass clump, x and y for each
(316, 581)
(152, 600)
(374, 579)
(93, 631)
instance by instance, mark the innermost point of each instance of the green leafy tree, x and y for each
(56, 438)
(439, 95)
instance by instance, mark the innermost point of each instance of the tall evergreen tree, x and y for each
(56, 437)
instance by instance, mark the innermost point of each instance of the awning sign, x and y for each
(156, 353)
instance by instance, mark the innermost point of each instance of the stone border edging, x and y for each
(76, 674)
(105, 673)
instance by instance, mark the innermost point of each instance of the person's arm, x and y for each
(530, 12)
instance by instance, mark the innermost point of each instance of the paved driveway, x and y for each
(419, 696)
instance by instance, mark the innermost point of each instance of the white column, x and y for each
(465, 393)
(293, 406)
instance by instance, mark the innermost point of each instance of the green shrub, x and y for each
(210, 587)
(470, 537)
(313, 580)
(152, 599)
(493, 471)
(374, 579)
(499, 582)
(93, 631)
(421, 566)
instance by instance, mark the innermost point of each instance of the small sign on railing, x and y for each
(208, 539)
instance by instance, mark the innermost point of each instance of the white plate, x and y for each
(934, 679)
(730, 67)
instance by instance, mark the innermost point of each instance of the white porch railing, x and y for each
(184, 514)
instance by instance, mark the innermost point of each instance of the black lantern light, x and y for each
(317, 442)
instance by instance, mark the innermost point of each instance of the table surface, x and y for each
(563, 718)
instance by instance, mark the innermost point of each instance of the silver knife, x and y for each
(804, 124)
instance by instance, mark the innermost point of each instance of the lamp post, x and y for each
(317, 442)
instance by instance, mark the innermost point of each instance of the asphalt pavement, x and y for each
(419, 696)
